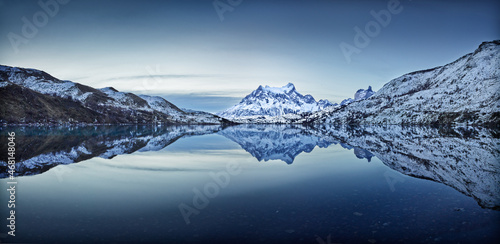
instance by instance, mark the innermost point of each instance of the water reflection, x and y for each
(39, 149)
(275, 142)
(284, 142)
(466, 159)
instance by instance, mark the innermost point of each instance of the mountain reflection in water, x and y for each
(464, 158)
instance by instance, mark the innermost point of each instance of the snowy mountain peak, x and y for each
(108, 89)
(274, 101)
(324, 102)
(276, 90)
(363, 94)
(465, 91)
(284, 89)
(488, 45)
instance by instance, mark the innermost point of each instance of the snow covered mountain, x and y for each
(358, 96)
(33, 96)
(466, 91)
(268, 102)
(363, 94)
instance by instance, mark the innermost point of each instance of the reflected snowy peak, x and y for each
(465, 158)
(40, 149)
(275, 142)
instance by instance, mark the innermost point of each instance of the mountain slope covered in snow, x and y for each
(33, 96)
(268, 102)
(466, 91)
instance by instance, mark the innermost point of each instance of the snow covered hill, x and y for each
(33, 96)
(268, 102)
(466, 91)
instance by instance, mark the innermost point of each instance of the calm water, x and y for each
(255, 184)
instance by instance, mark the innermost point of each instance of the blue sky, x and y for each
(183, 51)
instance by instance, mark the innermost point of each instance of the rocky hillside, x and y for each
(466, 91)
(29, 96)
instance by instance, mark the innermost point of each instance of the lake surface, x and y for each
(254, 184)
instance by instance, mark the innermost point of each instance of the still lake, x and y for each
(254, 184)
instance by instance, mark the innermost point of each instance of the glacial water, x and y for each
(253, 184)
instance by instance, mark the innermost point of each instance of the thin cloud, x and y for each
(164, 76)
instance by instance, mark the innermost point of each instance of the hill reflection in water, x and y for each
(466, 159)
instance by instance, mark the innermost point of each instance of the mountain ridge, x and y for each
(30, 96)
(273, 102)
(465, 91)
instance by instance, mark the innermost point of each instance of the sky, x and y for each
(208, 55)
